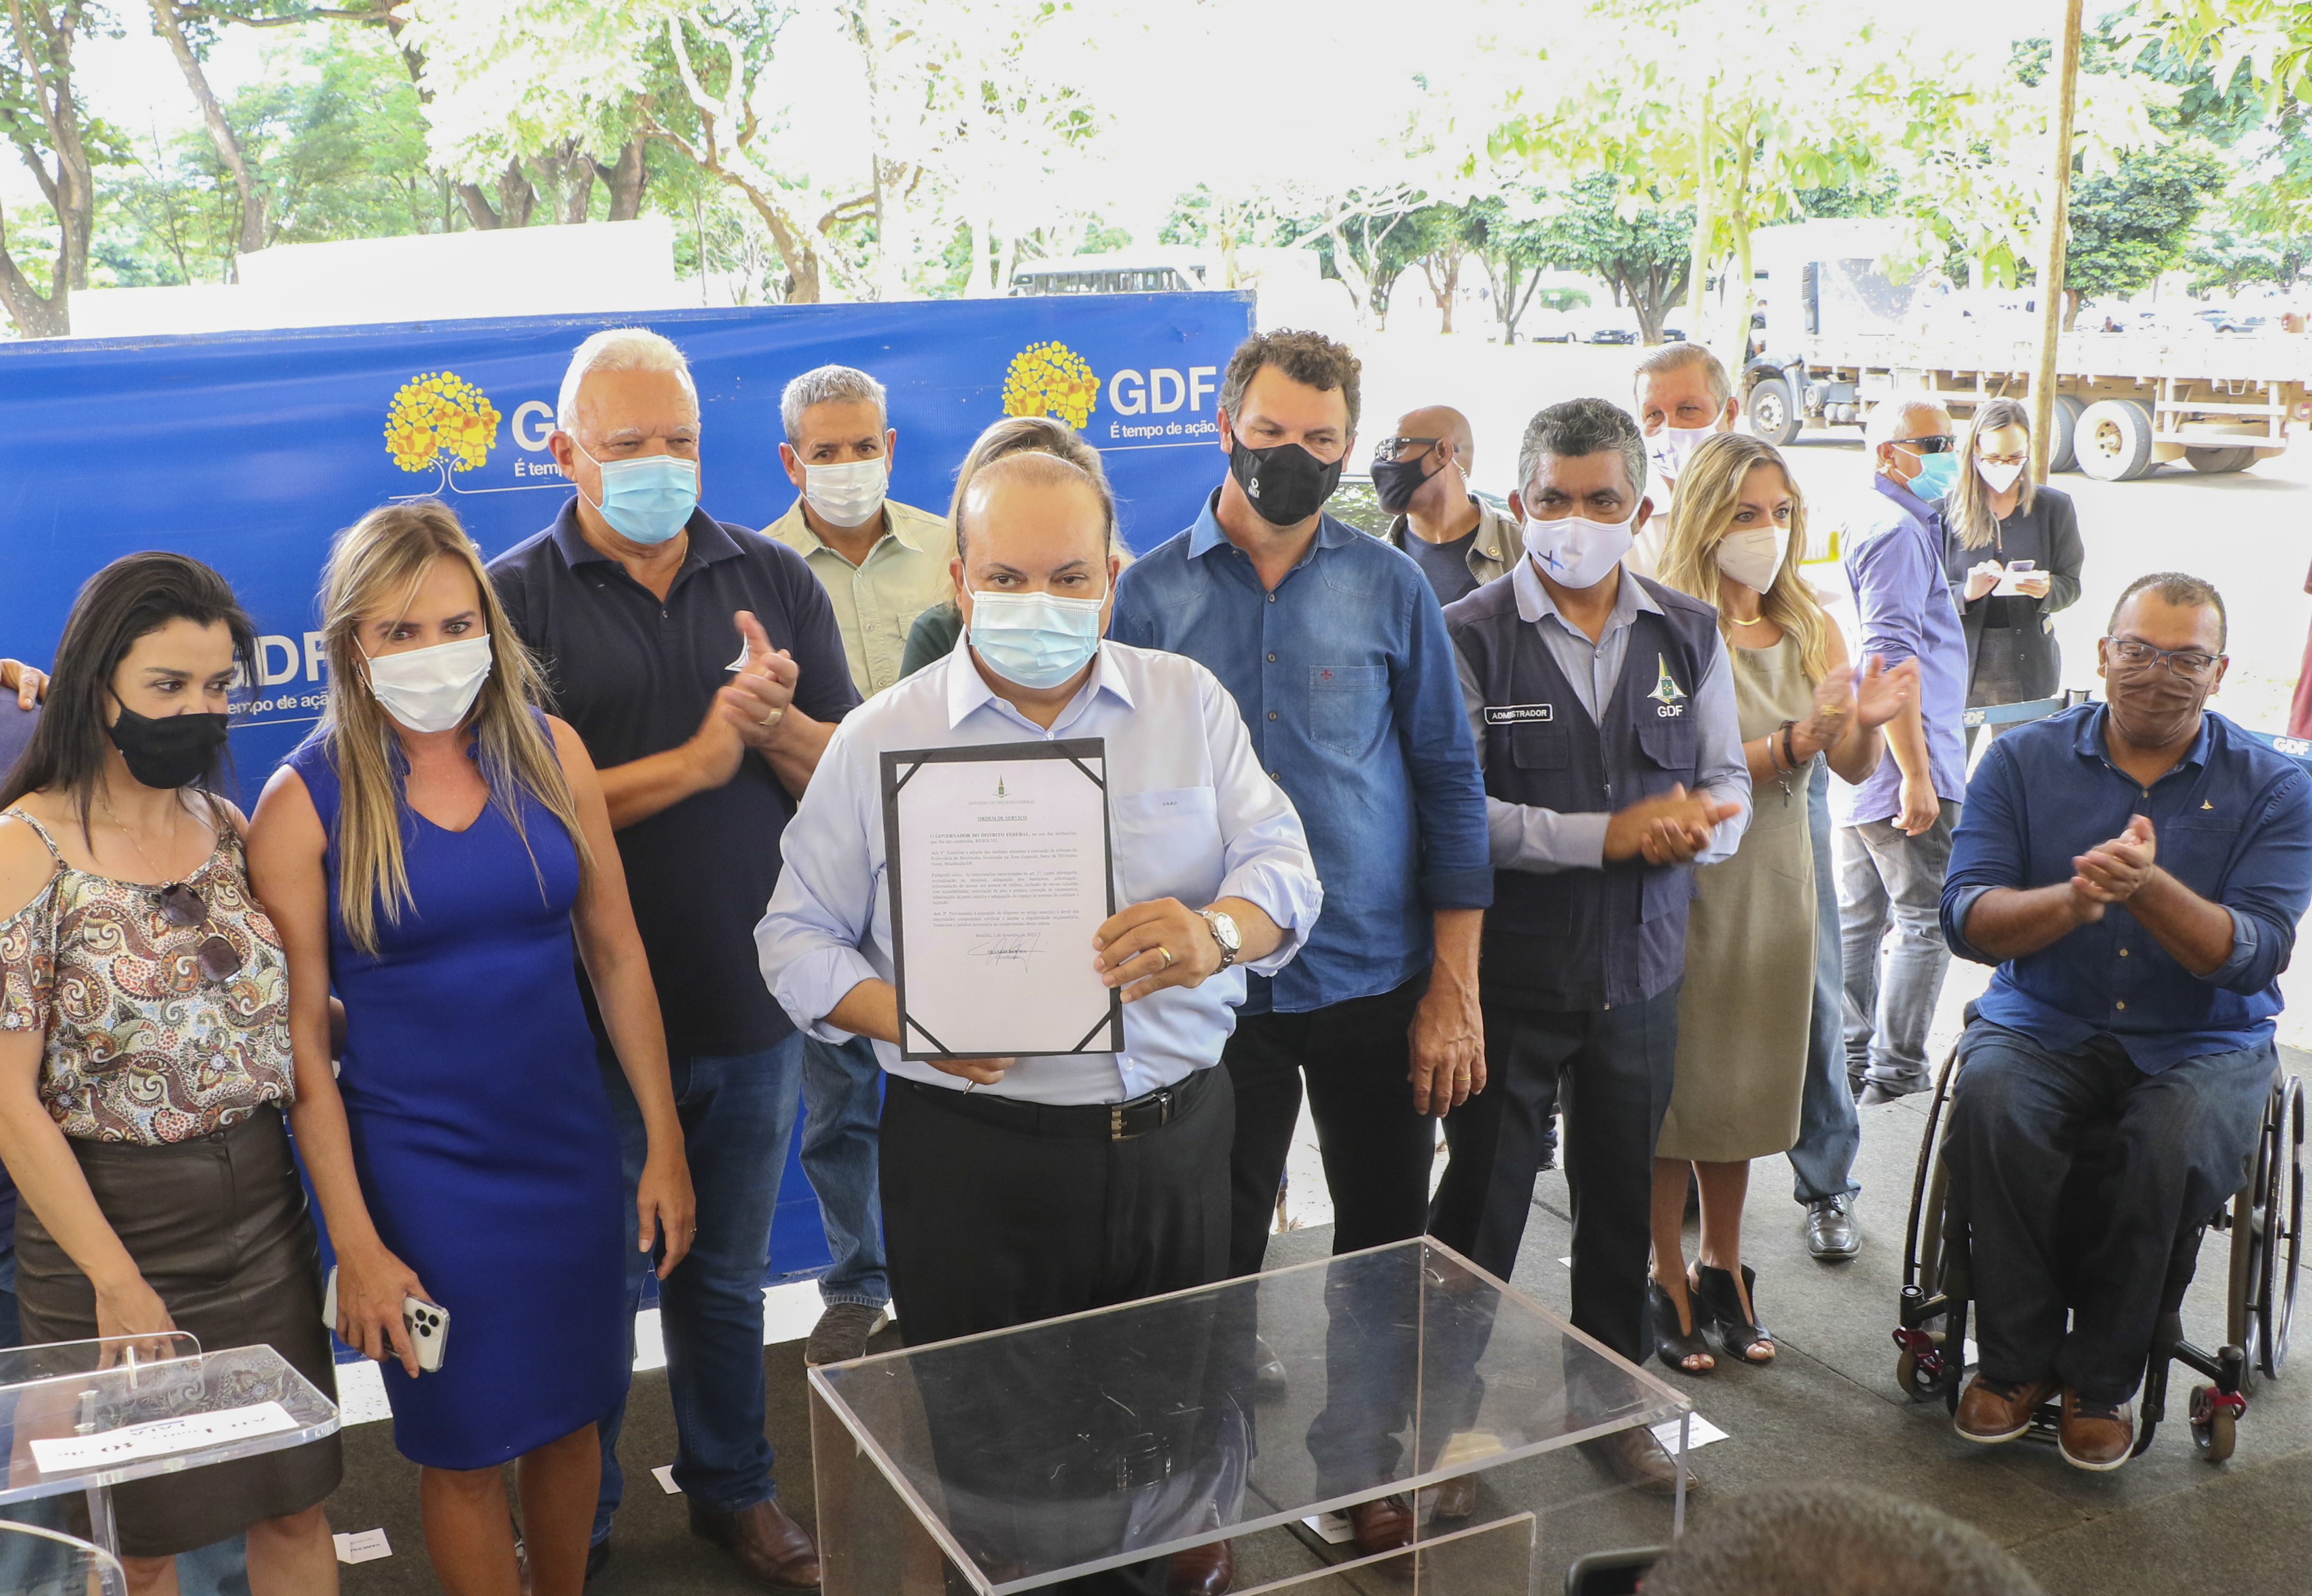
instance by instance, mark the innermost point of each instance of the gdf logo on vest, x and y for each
(1670, 697)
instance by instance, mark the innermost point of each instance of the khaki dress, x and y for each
(1744, 1013)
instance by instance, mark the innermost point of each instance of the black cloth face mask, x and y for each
(1285, 483)
(172, 752)
(1396, 481)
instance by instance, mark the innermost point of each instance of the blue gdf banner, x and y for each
(249, 451)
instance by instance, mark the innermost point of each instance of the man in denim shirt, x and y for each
(2136, 869)
(1334, 650)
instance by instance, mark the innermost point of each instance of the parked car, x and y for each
(1612, 326)
(1547, 326)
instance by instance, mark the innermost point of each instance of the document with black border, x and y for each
(1002, 868)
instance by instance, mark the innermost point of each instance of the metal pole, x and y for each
(2051, 253)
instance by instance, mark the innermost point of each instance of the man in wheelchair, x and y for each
(2136, 869)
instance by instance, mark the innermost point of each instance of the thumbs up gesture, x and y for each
(761, 687)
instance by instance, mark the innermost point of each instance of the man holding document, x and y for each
(1053, 858)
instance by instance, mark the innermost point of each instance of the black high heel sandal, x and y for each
(1669, 1345)
(1713, 1289)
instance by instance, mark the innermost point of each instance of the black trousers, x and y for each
(2071, 1255)
(1377, 1150)
(990, 1225)
(1613, 1069)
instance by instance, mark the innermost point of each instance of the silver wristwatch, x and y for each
(1224, 932)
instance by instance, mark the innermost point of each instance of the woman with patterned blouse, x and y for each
(145, 1053)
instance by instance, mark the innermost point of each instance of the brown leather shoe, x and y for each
(1383, 1526)
(775, 1551)
(1456, 1498)
(1635, 1457)
(1992, 1411)
(1203, 1570)
(2098, 1436)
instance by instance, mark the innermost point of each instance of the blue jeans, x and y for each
(1829, 1130)
(736, 1114)
(842, 1115)
(1886, 878)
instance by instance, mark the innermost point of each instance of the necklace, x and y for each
(1739, 622)
(106, 804)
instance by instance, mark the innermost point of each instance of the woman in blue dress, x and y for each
(432, 852)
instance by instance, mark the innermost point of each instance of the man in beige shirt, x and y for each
(1421, 476)
(881, 562)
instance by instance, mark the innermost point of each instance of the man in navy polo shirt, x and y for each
(2136, 869)
(701, 663)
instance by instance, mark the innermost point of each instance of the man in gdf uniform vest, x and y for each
(1603, 706)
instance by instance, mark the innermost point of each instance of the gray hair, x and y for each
(829, 384)
(1583, 426)
(1677, 357)
(1833, 1540)
(620, 349)
(1889, 416)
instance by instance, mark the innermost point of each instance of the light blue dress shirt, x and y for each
(1193, 816)
(1524, 836)
(1895, 562)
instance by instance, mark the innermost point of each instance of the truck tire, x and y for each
(2063, 432)
(2219, 460)
(2114, 440)
(1773, 417)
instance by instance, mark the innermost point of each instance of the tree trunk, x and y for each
(578, 198)
(1706, 226)
(516, 199)
(35, 314)
(221, 133)
(627, 177)
(1739, 304)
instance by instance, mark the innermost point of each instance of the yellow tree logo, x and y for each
(1050, 379)
(440, 420)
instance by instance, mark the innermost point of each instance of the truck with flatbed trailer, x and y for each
(1837, 334)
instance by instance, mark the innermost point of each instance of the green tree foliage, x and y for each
(1628, 237)
(2129, 224)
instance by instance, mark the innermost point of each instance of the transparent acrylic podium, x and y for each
(105, 1389)
(1016, 1460)
(37, 1562)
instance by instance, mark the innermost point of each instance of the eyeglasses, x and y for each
(181, 906)
(2192, 664)
(1395, 448)
(1932, 443)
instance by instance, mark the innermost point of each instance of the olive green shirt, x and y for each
(877, 601)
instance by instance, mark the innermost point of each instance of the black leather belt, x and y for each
(1112, 1122)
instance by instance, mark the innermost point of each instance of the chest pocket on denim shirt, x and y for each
(1166, 845)
(1347, 705)
(2198, 853)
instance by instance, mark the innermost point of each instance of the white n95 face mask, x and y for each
(848, 494)
(1577, 553)
(1752, 555)
(430, 689)
(1669, 448)
(1999, 478)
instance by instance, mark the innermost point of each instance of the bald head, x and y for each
(1439, 421)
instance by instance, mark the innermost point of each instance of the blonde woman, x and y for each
(434, 849)
(1996, 518)
(1736, 531)
(936, 630)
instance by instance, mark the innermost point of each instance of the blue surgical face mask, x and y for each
(1038, 640)
(648, 498)
(1938, 475)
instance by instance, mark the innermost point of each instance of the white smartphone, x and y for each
(428, 1324)
(329, 1300)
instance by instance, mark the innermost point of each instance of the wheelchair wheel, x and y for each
(2214, 1430)
(2282, 1237)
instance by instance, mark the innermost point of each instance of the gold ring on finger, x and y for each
(1168, 955)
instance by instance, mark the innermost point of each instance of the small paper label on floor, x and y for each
(1333, 1528)
(1702, 1433)
(664, 1475)
(81, 1454)
(365, 1547)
